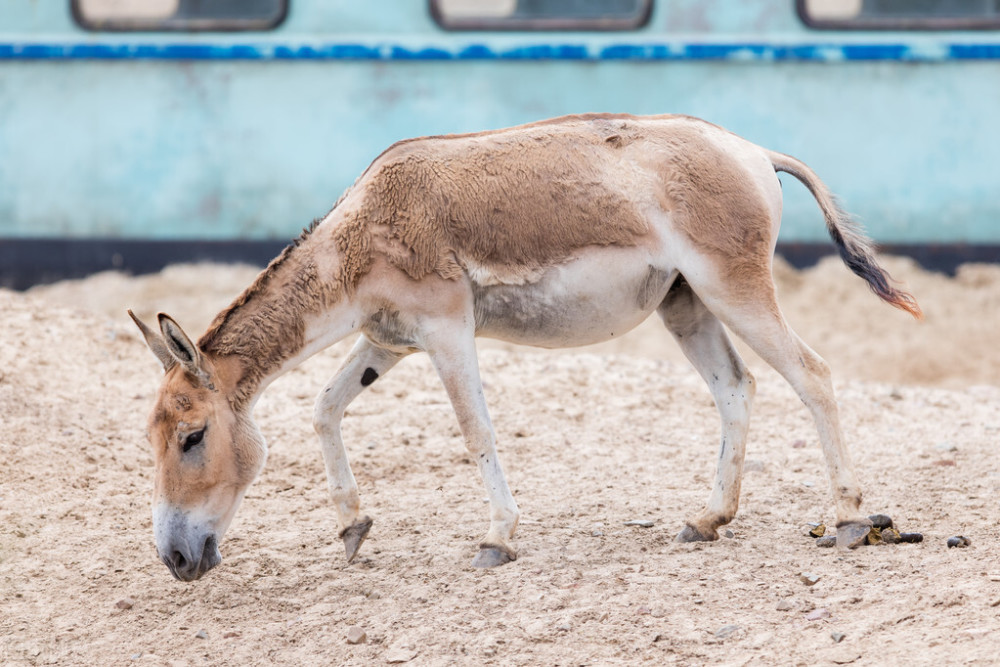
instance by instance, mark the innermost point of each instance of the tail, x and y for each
(856, 249)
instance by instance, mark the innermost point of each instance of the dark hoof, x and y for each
(354, 535)
(692, 534)
(852, 534)
(491, 556)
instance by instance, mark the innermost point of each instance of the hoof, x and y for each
(492, 556)
(354, 535)
(692, 534)
(852, 534)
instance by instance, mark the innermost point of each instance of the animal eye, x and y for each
(194, 439)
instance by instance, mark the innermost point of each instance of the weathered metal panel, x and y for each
(251, 135)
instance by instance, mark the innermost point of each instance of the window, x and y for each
(900, 14)
(541, 14)
(189, 15)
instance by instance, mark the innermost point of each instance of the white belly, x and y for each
(600, 294)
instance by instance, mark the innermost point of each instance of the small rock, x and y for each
(597, 533)
(565, 627)
(845, 657)
(799, 444)
(881, 521)
(816, 529)
(818, 614)
(729, 534)
(201, 634)
(125, 603)
(890, 536)
(945, 447)
(911, 538)
(727, 631)
(399, 654)
(808, 578)
(356, 635)
(784, 605)
(230, 635)
(827, 541)
(944, 463)
(959, 541)
(837, 637)
(642, 523)
(896, 394)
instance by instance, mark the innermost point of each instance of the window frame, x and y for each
(192, 25)
(923, 24)
(564, 24)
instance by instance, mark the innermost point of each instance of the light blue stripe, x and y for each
(693, 51)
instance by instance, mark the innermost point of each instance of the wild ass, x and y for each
(559, 233)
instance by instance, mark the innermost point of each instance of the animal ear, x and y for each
(182, 349)
(155, 342)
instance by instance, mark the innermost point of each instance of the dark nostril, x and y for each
(179, 561)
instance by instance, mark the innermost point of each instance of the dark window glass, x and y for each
(541, 14)
(900, 14)
(189, 15)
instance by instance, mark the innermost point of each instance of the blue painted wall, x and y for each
(252, 135)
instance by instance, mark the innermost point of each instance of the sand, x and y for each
(590, 439)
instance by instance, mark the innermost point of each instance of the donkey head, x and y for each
(206, 451)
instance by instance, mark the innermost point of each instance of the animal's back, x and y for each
(506, 204)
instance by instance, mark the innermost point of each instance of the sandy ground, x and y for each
(590, 439)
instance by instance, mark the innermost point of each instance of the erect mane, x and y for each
(260, 283)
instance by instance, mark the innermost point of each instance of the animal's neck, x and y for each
(293, 310)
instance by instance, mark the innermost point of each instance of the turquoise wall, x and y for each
(252, 135)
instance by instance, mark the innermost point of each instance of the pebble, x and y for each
(597, 533)
(125, 603)
(818, 614)
(642, 523)
(845, 658)
(398, 655)
(890, 536)
(730, 534)
(798, 444)
(808, 578)
(827, 541)
(959, 541)
(727, 631)
(356, 635)
(837, 637)
(784, 605)
(201, 634)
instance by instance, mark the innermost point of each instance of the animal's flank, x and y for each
(505, 205)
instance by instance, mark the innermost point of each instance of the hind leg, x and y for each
(365, 363)
(750, 310)
(706, 344)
